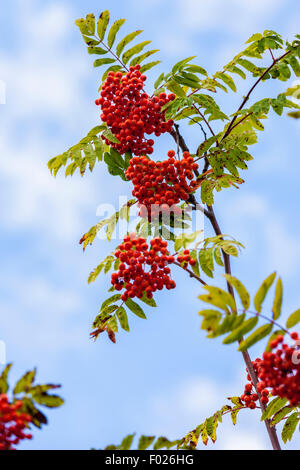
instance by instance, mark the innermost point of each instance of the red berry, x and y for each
(145, 274)
(130, 113)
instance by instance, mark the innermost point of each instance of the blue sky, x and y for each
(164, 377)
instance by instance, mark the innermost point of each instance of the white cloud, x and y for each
(48, 308)
(44, 81)
(43, 76)
(51, 25)
(34, 199)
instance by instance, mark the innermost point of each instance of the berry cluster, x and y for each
(278, 373)
(185, 259)
(161, 185)
(131, 113)
(12, 423)
(250, 397)
(135, 256)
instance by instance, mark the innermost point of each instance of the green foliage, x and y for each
(225, 318)
(87, 152)
(111, 314)
(120, 57)
(293, 319)
(110, 224)
(262, 291)
(204, 432)
(31, 394)
(212, 251)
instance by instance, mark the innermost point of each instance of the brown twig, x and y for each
(191, 273)
(246, 98)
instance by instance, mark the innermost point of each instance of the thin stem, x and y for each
(240, 121)
(272, 54)
(269, 320)
(246, 98)
(111, 52)
(204, 119)
(191, 273)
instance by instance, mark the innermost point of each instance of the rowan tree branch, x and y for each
(246, 98)
(191, 273)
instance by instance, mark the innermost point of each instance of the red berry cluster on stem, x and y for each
(143, 269)
(131, 113)
(161, 185)
(185, 259)
(278, 373)
(12, 423)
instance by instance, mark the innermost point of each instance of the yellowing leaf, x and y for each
(262, 291)
(277, 300)
(102, 24)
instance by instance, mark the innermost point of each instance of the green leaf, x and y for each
(50, 401)
(222, 295)
(133, 51)
(164, 442)
(110, 300)
(277, 300)
(273, 407)
(127, 442)
(226, 79)
(113, 32)
(102, 24)
(280, 415)
(38, 418)
(142, 57)
(185, 239)
(145, 442)
(82, 25)
(3, 379)
(90, 41)
(97, 50)
(290, 427)
(90, 21)
(149, 66)
(179, 65)
(107, 60)
(110, 136)
(218, 256)
(239, 332)
(254, 37)
(175, 88)
(25, 382)
(196, 69)
(206, 261)
(123, 319)
(241, 290)
(159, 81)
(256, 336)
(207, 192)
(262, 291)
(150, 302)
(135, 308)
(130, 37)
(293, 319)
